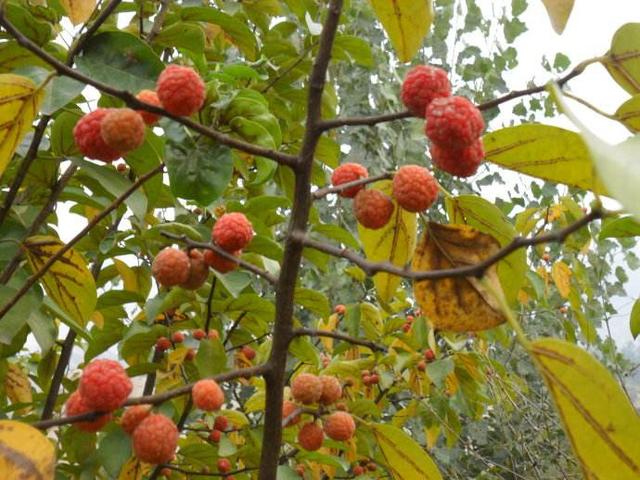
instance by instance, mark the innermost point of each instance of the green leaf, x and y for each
(348, 47)
(629, 114)
(313, 300)
(62, 142)
(395, 242)
(121, 60)
(211, 358)
(406, 22)
(403, 456)
(199, 171)
(114, 451)
(543, 151)
(18, 316)
(558, 11)
(602, 425)
(626, 71)
(59, 92)
(623, 227)
(634, 321)
(182, 35)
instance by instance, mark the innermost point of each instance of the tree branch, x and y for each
(300, 332)
(476, 270)
(94, 221)
(323, 192)
(159, 20)
(207, 322)
(367, 121)
(132, 102)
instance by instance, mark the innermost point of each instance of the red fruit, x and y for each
(410, 318)
(171, 267)
(306, 388)
(150, 97)
(165, 472)
(232, 231)
(422, 365)
(453, 121)
(340, 309)
(462, 162)
(300, 470)
(339, 426)
(207, 395)
(215, 436)
(358, 470)
(310, 436)
(288, 408)
(414, 188)
(177, 337)
(406, 328)
(155, 439)
(213, 334)
(132, 417)
(248, 352)
(198, 334)
(374, 379)
(421, 85)
(349, 172)
(87, 136)
(198, 271)
(366, 379)
(372, 208)
(122, 129)
(180, 90)
(163, 343)
(221, 423)
(75, 406)
(224, 465)
(371, 467)
(331, 389)
(190, 355)
(121, 167)
(220, 263)
(429, 356)
(104, 385)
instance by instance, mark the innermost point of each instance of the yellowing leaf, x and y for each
(19, 103)
(558, 11)
(25, 453)
(328, 325)
(601, 423)
(79, 11)
(629, 114)
(129, 278)
(395, 243)
(546, 152)
(561, 274)
(134, 469)
(457, 304)
(634, 321)
(624, 62)
(405, 459)
(406, 22)
(68, 282)
(16, 383)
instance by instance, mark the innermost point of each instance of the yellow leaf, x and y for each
(79, 11)
(432, 434)
(523, 297)
(561, 274)
(456, 304)
(558, 11)
(68, 282)
(129, 278)
(451, 384)
(19, 103)
(601, 423)
(395, 243)
(25, 453)
(405, 459)
(406, 22)
(17, 385)
(134, 469)
(328, 325)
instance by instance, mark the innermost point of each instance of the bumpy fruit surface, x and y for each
(422, 85)
(414, 188)
(171, 267)
(207, 395)
(310, 436)
(163, 343)
(177, 337)
(372, 208)
(122, 129)
(429, 356)
(221, 423)
(339, 426)
(358, 470)
(87, 136)
(288, 408)
(220, 263)
(306, 388)
(331, 389)
(198, 334)
(150, 97)
(349, 172)
(180, 90)
(232, 232)
(215, 436)
(198, 271)
(453, 121)
(340, 309)
(224, 465)
(104, 385)
(75, 406)
(132, 417)
(462, 162)
(155, 439)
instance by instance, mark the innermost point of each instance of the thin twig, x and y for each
(159, 20)
(323, 192)
(300, 332)
(207, 322)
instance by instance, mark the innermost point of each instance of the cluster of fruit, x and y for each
(172, 266)
(108, 133)
(324, 390)
(453, 123)
(414, 189)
